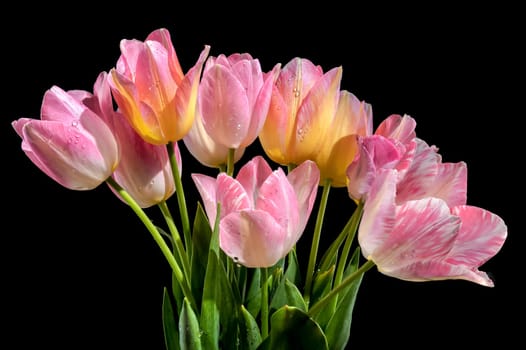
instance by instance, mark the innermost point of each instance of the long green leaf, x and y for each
(288, 294)
(170, 330)
(190, 334)
(339, 327)
(201, 235)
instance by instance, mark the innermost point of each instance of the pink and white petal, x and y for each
(398, 128)
(250, 75)
(277, 197)
(379, 213)
(420, 175)
(435, 270)
(450, 183)
(423, 230)
(304, 179)
(224, 106)
(232, 196)
(207, 188)
(481, 236)
(252, 175)
(252, 238)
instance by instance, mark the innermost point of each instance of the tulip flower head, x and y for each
(70, 143)
(234, 97)
(263, 212)
(303, 106)
(151, 90)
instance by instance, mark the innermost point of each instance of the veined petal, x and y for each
(424, 230)
(398, 128)
(481, 236)
(379, 213)
(450, 183)
(252, 175)
(224, 106)
(304, 179)
(252, 238)
(297, 78)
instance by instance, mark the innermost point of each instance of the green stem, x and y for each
(327, 298)
(230, 162)
(351, 233)
(179, 247)
(158, 239)
(180, 194)
(316, 240)
(264, 305)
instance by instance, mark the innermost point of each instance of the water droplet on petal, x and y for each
(75, 123)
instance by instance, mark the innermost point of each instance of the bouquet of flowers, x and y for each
(237, 280)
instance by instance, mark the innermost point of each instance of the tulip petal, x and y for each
(207, 188)
(424, 230)
(277, 197)
(398, 128)
(231, 195)
(379, 213)
(304, 179)
(252, 175)
(315, 116)
(162, 36)
(252, 238)
(481, 236)
(59, 105)
(224, 106)
(69, 157)
(275, 143)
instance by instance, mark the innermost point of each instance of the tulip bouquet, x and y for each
(237, 281)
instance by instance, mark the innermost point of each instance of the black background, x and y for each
(79, 270)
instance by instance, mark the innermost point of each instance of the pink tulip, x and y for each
(151, 89)
(263, 212)
(207, 151)
(70, 143)
(234, 97)
(426, 239)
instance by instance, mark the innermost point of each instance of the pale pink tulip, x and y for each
(263, 212)
(152, 91)
(234, 97)
(207, 151)
(425, 239)
(70, 143)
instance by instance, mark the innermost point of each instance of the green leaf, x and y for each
(171, 333)
(253, 299)
(291, 328)
(250, 336)
(288, 294)
(201, 235)
(190, 337)
(339, 327)
(293, 272)
(321, 286)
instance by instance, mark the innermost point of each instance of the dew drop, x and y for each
(75, 123)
